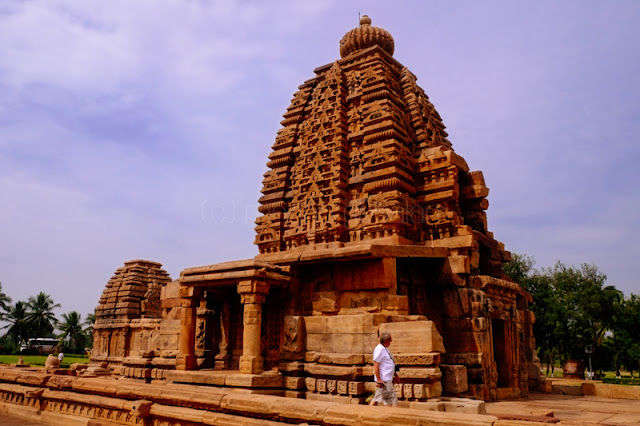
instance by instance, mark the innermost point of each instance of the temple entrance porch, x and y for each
(222, 315)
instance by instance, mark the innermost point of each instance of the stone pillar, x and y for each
(186, 359)
(252, 294)
(223, 358)
(204, 333)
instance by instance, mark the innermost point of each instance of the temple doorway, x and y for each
(219, 329)
(499, 352)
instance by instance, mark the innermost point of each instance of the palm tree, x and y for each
(5, 301)
(18, 327)
(71, 328)
(89, 323)
(40, 316)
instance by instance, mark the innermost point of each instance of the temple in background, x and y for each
(369, 222)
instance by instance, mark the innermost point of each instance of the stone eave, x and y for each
(353, 252)
(230, 273)
(510, 286)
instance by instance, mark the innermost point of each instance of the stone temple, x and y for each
(369, 222)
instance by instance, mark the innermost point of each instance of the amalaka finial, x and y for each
(365, 36)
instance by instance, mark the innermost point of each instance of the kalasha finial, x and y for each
(365, 36)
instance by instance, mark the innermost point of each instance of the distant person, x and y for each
(60, 357)
(384, 373)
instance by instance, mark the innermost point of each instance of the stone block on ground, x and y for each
(52, 361)
(454, 379)
(464, 405)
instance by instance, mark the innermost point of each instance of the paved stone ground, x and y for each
(9, 420)
(572, 410)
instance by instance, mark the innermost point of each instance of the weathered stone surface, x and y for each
(350, 372)
(334, 358)
(465, 359)
(334, 399)
(434, 405)
(356, 343)
(610, 391)
(294, 382)
(354, 416)
(310, 383)
(254, 380)
(203, 378)
(52, 361)
(568, 389)
(348, 324)
(356, 388)
(432, 358)
(430, 374)
(291, 367)
(427, 390)
(293, 334)
(326, 301)
(414, 336)
(454, 379)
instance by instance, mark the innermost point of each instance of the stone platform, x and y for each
(60, 398)
(9, 420)
(568, 409)
(575, 387)
(270, 382)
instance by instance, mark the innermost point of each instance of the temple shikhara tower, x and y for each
(368, 222)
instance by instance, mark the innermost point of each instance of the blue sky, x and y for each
(141, 129)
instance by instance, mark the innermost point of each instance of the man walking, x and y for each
(384, 373)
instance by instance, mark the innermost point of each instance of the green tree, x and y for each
(5, 302)
(89, 323)
(40, 314)
(545, 307)
(72, 331)
(520, 268)
(624, 341)
(18, 329)
(573, 308)
(590, 307)
(548, 313)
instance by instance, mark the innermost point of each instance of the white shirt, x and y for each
(387, 366)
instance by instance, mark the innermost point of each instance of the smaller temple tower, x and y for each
(129, 312)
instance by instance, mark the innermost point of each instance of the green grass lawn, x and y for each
(607, 374)
(40, 359)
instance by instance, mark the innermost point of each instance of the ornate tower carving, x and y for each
(363, 156)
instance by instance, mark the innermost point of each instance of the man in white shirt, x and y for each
(384, 373)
